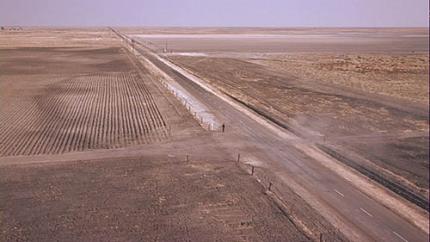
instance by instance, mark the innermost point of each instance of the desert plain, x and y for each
(204, 134)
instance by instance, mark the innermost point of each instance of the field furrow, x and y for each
(91, 111)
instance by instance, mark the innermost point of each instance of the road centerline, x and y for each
(341, 194)
(366, 212)
(399, 236)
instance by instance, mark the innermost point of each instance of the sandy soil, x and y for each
(77, 111)
(399, 76)
(56, 37)
(67, 96)
(362, 101)
(335, 115)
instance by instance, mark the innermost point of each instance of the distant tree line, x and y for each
(11, 28)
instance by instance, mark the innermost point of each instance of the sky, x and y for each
(264, 13)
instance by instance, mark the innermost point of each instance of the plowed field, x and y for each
(85, 112)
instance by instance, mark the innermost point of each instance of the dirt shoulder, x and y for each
(326, 116)
(109, 176)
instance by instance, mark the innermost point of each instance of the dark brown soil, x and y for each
(136, 199)
(74, 99)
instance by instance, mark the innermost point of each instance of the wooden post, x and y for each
(270, 186)
(238, 157)
(252, 170)
(188, 159)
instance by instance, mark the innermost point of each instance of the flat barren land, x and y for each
(70, 96)
(364, 91)
(214, 134)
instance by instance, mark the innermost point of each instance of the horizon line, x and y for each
(208, 26)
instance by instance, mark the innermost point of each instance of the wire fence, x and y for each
(275, 189)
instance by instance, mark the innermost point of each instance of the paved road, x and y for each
(361, 217)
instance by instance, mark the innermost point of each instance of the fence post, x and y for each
(270, 186)
(252, 170)
(238, 157)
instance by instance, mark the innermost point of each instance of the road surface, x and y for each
(359, 216)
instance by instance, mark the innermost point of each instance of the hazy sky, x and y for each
(215, 12)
